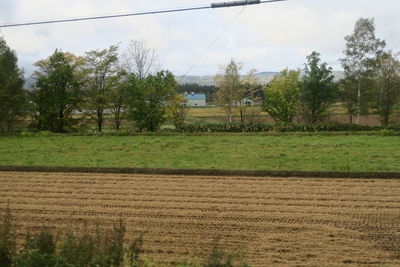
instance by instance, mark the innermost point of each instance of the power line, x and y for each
(102, 17)
(216, 40)
(212, 6)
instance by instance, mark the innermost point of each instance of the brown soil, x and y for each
(276, 221)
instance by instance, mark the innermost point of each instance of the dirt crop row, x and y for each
(274, 221)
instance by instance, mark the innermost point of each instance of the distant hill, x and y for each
(263, 77)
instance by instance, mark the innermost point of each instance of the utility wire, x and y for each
(226, 4)
(103, 17)
(215, 41)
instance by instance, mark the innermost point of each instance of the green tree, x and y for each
(149, 97)
(118, 99)
(177, 111)
(362, 46)
(230, 90)
(13, 98)
(348, 95)
(101, 79)
(282, 96)
(318, 89)
(387, 85)
(58, 91)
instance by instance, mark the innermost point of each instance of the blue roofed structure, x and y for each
(195, 100)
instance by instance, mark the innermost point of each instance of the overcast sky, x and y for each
(268, 37)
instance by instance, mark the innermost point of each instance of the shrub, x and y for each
(220, 258)
(105, 248)
(39, 250)
(7, 239)
(388, 132)
(329, 126)
(44, 133)
(27, 133)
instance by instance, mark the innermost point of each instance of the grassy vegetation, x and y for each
(225, 151)
(91, 247)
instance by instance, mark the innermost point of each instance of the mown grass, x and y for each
(246, 152)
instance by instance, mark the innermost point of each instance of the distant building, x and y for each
(195, 100)
(247, 102)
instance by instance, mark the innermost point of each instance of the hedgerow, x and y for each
(329, 126)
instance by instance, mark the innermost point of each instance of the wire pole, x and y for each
(212, 6)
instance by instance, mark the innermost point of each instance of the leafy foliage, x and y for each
(328, 126)
(7, 239)
(230, 91)
(148, 98)
(282, 96)
(220, 258)
(387, 84)
(177, 111)
(58, 91)
(318, 89)
(13, 99)
(104, 248)
(101, 79)
(362, 47)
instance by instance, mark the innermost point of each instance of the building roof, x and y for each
(195, 97)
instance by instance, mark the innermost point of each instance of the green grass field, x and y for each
(247, 152)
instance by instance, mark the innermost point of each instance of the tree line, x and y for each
(69, 89)
(104, 84)
(371, 83)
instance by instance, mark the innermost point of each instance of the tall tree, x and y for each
(102, 71)
(140, 60)
(12, 96)
(387, 84)
(149, 97)
(282, 96)
(362, 46)
(118, 99)
(318, 89)
(57, 90)
(348, 95)
(230, 90)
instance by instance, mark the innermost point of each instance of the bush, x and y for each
(39, 250)
(388, 132)
(27, 133)
(44, 133)
(104, 248)
(220, 258)
(7, 239)
(329, 126)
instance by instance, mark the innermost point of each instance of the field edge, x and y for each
(206, 172)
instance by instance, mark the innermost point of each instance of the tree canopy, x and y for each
(13, 99)
(282, 96)
(58, 91)
(318, 89)
(148, 99)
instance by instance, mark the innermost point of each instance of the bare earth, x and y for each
(275, 221)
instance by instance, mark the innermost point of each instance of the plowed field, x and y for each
(276, 221)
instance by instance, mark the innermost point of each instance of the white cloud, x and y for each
(7, 8)
(25, 41)
(268, 37)
(297, 26)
